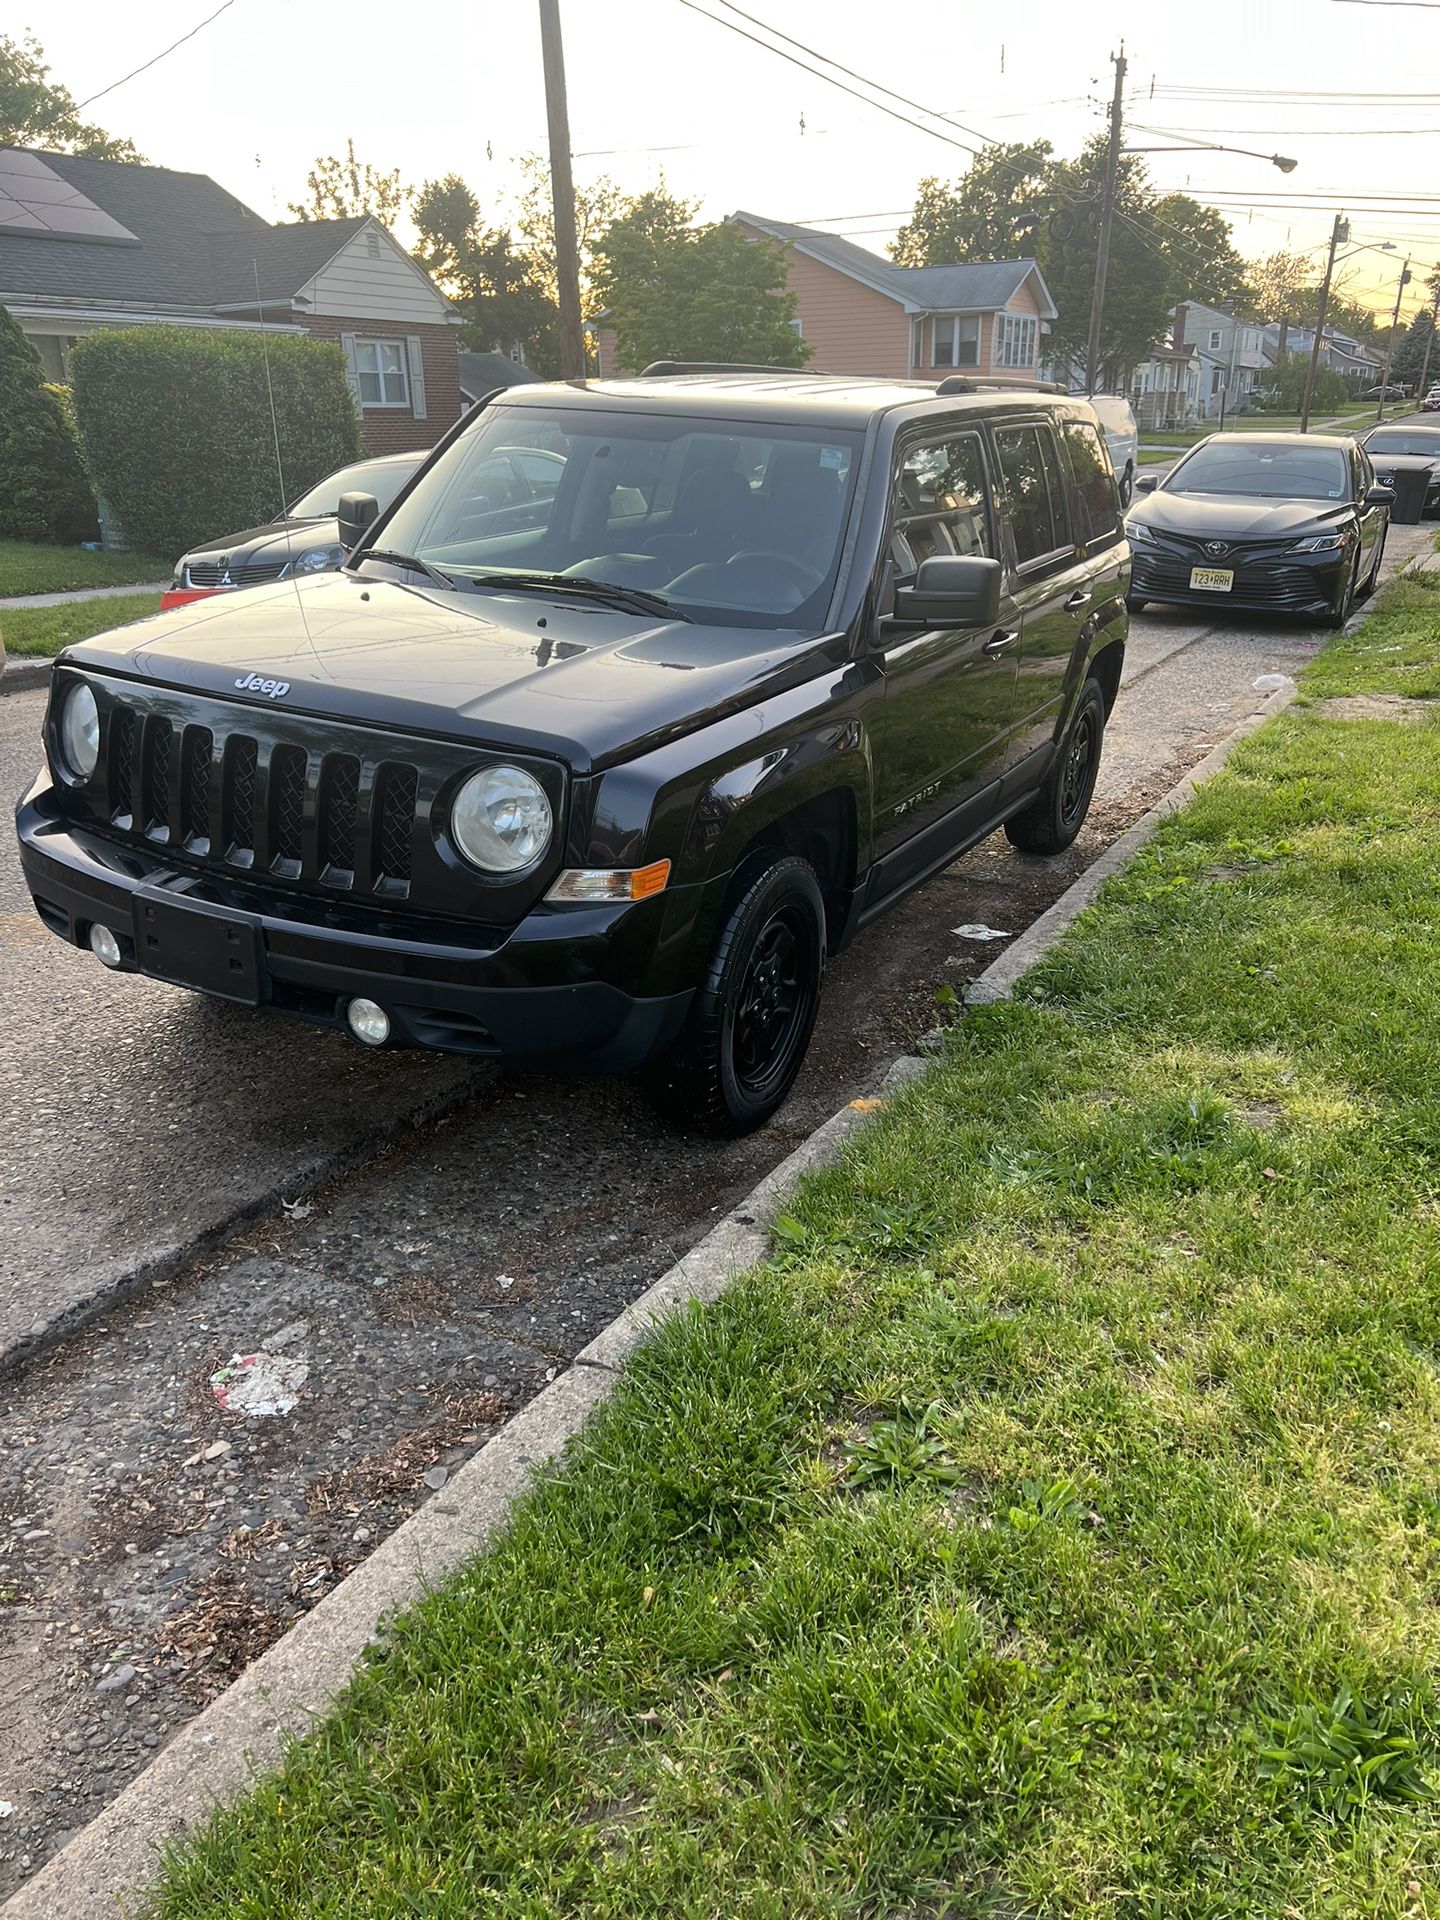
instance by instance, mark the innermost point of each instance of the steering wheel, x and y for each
(802, 575)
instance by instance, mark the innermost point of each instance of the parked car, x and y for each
(1392, 392)
(598, 778)
(1122, 437)
(1397, 449)
(1272, 522)
(1431, 402)
(303, 540)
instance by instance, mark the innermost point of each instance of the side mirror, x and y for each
(1380, 497)
(1147, 483)
(951, 590)
(355, 512)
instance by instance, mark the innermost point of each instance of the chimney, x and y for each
(1178, 336)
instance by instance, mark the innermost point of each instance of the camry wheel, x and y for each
(747, 1032)
(1057, 813)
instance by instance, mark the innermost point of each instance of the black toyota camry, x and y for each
(1268, 522)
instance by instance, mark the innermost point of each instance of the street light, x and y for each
(1339, 234)
(1280, 160)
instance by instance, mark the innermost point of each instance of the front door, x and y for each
(951, 699)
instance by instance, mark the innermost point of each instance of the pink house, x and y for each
(862, 314)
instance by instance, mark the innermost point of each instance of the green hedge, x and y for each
(178, 431)
(44, 494)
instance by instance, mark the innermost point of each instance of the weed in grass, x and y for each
(904, 1447)
(1343, 1756)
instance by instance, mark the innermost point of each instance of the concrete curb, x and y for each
(19, 674)
(243, 1733)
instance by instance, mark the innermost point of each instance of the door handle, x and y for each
(1080, 598)
(1000, 639)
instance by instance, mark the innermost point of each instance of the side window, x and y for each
(1095, 505)
(1029, 462)
(942, 502)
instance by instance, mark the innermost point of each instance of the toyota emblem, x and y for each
(1216, 547)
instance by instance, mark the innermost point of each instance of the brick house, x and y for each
(89, 244)
(860, 313)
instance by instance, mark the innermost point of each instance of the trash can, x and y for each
(1411, 485)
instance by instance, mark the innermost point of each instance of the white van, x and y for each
(1121, 436)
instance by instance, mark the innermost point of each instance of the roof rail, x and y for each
(959, 383)
(660, 369)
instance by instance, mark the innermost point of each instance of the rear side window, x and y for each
(1095, 505)
(1029, 460)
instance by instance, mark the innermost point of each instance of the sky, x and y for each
(1349, 88)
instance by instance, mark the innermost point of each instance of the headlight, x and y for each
(320, 560)
(501, 820)
(1137, 531)
(1320, 543)
(80, 732)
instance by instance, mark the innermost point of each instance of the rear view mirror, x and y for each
(355, 512)
(1147, 483)
(952, 590)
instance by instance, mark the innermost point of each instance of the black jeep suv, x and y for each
(596, 775)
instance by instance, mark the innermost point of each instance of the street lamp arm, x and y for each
(1280, 160)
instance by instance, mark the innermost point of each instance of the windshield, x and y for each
(383, 479)
(1426, 445)
(732, 522)
(1260, 472)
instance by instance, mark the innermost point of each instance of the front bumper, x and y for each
(550, 993)
(1276, 582)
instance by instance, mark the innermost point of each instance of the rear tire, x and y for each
(1057, 813)
(748, 1029)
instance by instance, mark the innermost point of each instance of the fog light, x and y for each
(368, 1022)
(105, 947)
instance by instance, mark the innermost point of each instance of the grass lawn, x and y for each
(1052, 1528)
(1348, 419)
(31, 630)
(25, 569)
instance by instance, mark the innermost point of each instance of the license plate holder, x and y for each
(1212, 579)
(193, 944)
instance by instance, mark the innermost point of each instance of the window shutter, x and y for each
(352, 373)
(417, 376)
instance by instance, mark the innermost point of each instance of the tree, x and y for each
(36, 112)
(1410, 349)
(341, 189)
(44, 494)
(1019, 201)
(597, 206)
(1283, 286)
(496, 289)
(673, 291)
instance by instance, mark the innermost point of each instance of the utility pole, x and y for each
(562, 190)
(1422, 389)
(1390, 339)
(1339, 234)
(1107, 221)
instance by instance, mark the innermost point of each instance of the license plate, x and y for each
(192, 944)
(1211, 579)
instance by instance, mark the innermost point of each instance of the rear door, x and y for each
(951, 700)
(1048, 575)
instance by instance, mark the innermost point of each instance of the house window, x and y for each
(917, 344)
(380, 365)
(1015, 336)
(957, 340)
(799, 325)
(1216, 336)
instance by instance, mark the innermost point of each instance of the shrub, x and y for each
(178, 432)
(44, 494)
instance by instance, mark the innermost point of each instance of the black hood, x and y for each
(1211, 516)
(266, 545)
(584, 683)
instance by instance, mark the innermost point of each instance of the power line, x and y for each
(163, 54)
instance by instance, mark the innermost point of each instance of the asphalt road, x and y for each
(141, 1119)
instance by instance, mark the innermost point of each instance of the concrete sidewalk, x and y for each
(80, 593)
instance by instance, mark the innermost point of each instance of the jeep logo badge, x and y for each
(272, 689)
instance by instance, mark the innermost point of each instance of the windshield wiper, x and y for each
(632, 599)
(409, 560)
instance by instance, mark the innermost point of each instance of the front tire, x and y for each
(746, 1035)
(1345, 606)
(1127, 484)
(1057, 813)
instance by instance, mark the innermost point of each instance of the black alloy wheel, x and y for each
(746, 1035)
(1057, 813)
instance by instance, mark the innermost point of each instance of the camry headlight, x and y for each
(320, 560)
(1320, 543)
(80, 732)
(501, 820)
(1136, 530)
